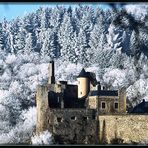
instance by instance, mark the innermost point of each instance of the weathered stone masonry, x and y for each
(129, 127)
(73, 126)
(85, 113)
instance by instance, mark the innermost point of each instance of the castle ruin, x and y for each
(86, 113)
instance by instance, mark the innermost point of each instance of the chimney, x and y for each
(51, 79)
(98, 86)
(103, 87)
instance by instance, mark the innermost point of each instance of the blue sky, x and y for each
(12, 10)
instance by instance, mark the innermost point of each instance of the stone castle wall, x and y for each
(73, 126)
(129, 127)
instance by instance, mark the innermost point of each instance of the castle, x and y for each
(86, 113)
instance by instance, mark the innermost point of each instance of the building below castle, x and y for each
(86, 113)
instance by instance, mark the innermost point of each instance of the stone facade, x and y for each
(109, 105)
(129, 127)
(73, 126)
(122, 100)
(92, 102)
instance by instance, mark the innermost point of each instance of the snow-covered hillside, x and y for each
(74, 38)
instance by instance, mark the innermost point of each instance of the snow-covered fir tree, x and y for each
(65, 38)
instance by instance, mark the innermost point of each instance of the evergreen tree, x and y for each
(56, 18)
(125, 42)
(133, 43)
(97, 39)
(20, 39)
(98, 12)
(86, 22)
(98, 52)
(114, 40)
(54, 23)
(6, 31)
(143, 36)
(44, 24)
(48, 44)
(2, 38)
(29, 44)
(82, 47)
(96, 33)
(74, 47)
(28, 22)
(65, 38)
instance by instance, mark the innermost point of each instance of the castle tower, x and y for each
(42, 101)
(83, 84)
(42, 108)
(51, 79)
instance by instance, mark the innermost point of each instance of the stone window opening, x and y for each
(81, 92)
(116, 105)
(73, 118)
(93, 117)
(85, 118)
(59, 119)
(103, 105)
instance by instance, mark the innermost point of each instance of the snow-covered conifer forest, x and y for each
(99, 40)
